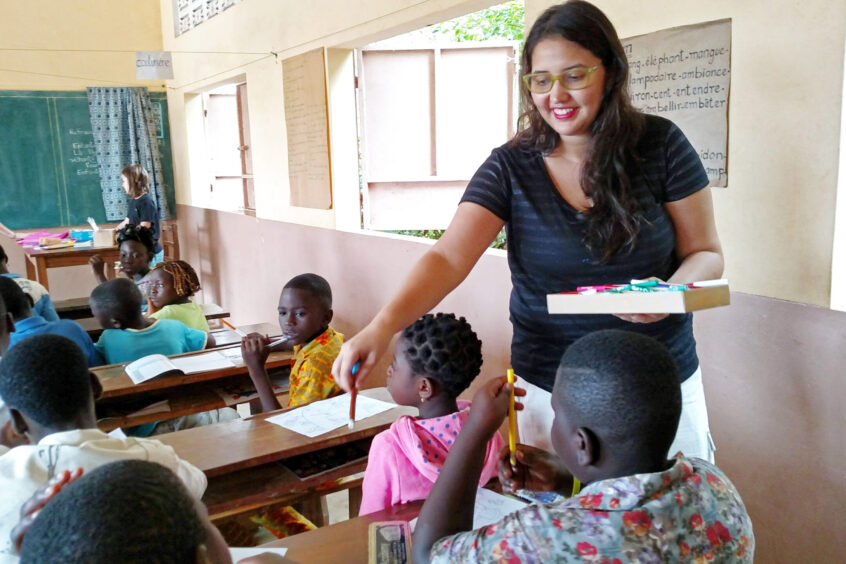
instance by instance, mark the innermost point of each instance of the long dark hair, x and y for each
(611, 151)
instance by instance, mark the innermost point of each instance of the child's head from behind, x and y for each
(305, 308)
(172, 281)
(136, 249)
(3, 259)
(86, 521)
(45, 382)
(437, 354)
(617, 402)
(18, 302)
(116, 303)
(134, 180)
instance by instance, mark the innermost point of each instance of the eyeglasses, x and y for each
(571, 79)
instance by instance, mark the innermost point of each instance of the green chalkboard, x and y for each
(48, 167)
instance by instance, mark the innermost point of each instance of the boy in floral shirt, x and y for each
(617, 402)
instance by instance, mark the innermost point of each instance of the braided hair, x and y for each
(444, 349)
(185, 280)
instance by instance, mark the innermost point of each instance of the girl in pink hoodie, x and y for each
(435, 360)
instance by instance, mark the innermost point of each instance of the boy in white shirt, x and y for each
(50, 393)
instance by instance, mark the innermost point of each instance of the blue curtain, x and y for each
(124, 128)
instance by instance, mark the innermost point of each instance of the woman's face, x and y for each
(569, 112)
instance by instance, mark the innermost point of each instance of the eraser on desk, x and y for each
(389, 542)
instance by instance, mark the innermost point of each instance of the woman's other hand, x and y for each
(365, 349)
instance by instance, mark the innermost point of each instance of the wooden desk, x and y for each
(346, 541)
(241, 458)
(235, 445)
(38, 260)
(226, 337)
(187, 394)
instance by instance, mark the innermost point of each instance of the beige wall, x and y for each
(243, 36)
(776, 217)
(48, 32)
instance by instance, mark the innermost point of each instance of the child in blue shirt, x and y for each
(28, 324)
(42, 304)
(129, 335)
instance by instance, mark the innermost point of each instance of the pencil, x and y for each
(241, 333)
(353, 392)
(512, 421)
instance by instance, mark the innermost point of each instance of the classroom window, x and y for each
(222, 168)
(431, 107)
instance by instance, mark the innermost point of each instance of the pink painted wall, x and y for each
(243, 262)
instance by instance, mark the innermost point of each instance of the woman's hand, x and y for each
(536, 470)
(490, 406)
(366, 349)
(641, 317)
(32, 506)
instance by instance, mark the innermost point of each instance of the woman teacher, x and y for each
(590, 192)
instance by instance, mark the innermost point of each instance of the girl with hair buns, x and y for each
(435, 359)
(590, 191)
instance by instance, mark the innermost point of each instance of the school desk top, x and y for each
(39, 260)
(186, 394)
(235, 445)
(345, 541)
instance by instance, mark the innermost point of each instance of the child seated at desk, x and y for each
(128, 335)
(28, 324)
(172, 283)
(50, 395)
(435, 360)
(305, 310)
(617, 402)
(86, 521)
(42, 304)
(136, 253)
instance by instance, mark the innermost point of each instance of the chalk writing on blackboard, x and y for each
(684, 74)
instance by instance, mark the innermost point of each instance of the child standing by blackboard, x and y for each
(142, 211)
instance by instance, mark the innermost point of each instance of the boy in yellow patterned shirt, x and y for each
(305, 310)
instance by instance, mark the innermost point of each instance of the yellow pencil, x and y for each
(512, 421)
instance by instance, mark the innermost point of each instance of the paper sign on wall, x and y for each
(153, 65)
(683, 74)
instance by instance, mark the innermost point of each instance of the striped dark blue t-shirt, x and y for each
(546, 253)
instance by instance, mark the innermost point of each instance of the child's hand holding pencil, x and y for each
(491, 405)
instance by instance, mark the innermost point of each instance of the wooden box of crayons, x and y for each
(641, 297)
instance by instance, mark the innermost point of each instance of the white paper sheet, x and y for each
(202, 362)
(239, 553)
(490, 508)
(117, 433)
(327, 415)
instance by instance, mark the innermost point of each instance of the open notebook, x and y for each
(155, 365)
